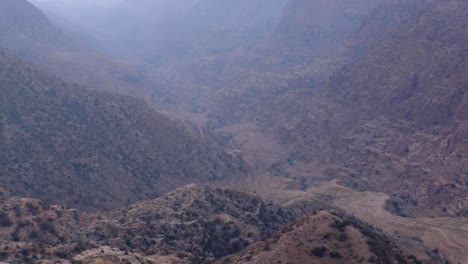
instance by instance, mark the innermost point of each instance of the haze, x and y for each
(78, 3)
(234, 131)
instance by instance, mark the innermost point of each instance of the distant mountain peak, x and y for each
(19, 18)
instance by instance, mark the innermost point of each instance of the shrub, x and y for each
(343, 237)
(335, 255)
(63, 254)
(340, 225)
(327, 235)
(5, 220)
(319, 251)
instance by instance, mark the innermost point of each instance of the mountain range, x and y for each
(213, 131)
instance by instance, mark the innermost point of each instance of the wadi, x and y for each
(234, 131)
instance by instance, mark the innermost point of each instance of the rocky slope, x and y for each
(194, 224)
(69, 145)
(191, 222)
(390, 106)
(394, 108)
(404, 101)
(320, 27)
(195, 221)
(323, 238)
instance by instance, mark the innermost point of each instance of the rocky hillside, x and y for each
(193, 224)
(390, 105)
(323, 238)
(406, 117)
(394, 110)
(195, 221)
(289, 64)
(321, 26)
(68, 145)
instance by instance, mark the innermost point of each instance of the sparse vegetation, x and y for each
(319, 251)
(375, 100)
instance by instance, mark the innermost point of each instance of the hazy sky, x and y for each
(86, 2)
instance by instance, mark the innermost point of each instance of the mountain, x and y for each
(72, 146)
(405, 118)
(196, 220)
(193, 224)
(190, 222)
(321, 26)
(182, 29)
(250, 65)
(388, 105)
(390, 117)
(323, 238)
(31, 35)
(20, 20)
(202, 47)
(362, 123)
